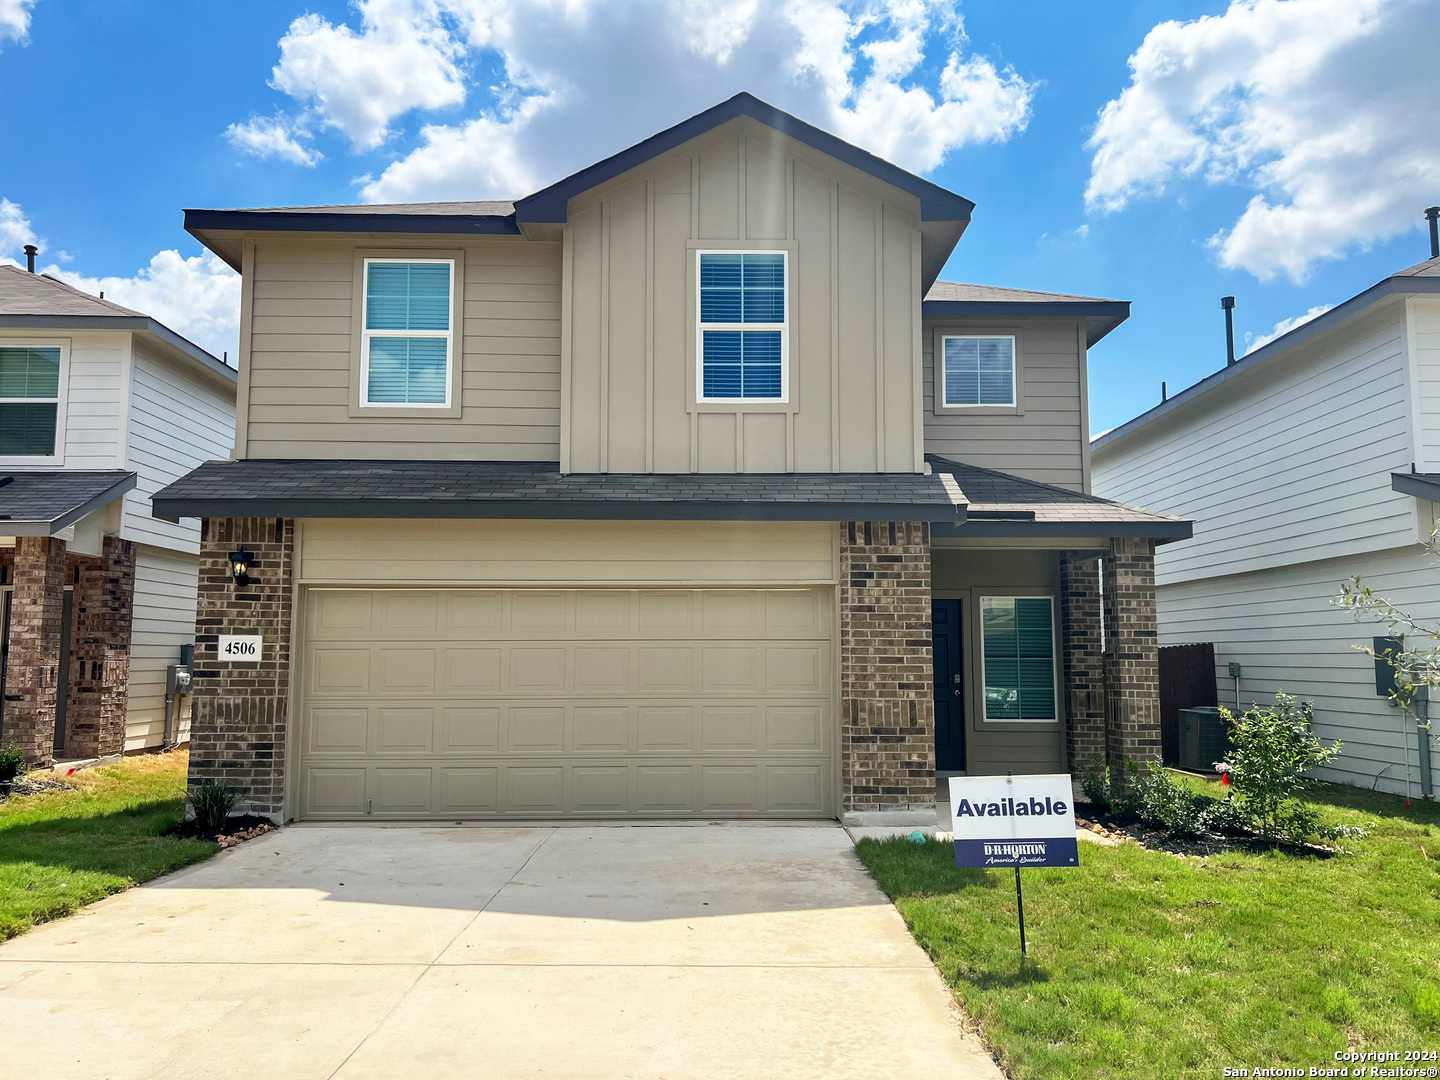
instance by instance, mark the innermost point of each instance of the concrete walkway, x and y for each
(587, 952)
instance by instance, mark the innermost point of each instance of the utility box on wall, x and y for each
(1384, 670)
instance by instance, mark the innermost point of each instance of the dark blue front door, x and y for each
(949, 686)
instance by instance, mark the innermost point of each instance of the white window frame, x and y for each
(944, 384)
(701, 326)
(1054, 654)
(366, 335)
(60, 400)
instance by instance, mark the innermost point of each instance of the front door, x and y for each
(949, 686)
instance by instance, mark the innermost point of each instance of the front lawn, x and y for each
(1145, 964)
(65, 848)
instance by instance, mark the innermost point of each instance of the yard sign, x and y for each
(1014, 821)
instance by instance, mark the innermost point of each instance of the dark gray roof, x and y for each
(1004, 505)
(480, 208)
(960, 300)
(43, 503)
(1421, 278)
(1421, 485)
(41, 302)
(500, 489)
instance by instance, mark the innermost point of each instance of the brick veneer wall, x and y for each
(1081, 646)
(1132, 657)
(32, 669)
(102, 612)
(887, 705)
(240, 711)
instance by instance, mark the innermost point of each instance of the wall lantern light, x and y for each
(240, 563)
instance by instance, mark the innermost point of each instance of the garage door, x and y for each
(482, 703)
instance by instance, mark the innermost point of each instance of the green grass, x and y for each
(1143, 964)
(61, 850)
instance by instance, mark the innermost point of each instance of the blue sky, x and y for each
(1278, 150)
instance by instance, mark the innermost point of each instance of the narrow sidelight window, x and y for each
(743, 346)
(407, 345)
(29, 400)
(1018, 645)
(978, 371)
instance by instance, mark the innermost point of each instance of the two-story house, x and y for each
(100, 406)
(1311, 459)
(647, 494)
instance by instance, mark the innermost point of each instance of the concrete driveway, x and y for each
(587, 952)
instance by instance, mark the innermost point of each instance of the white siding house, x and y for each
(137, 407)
(1308, 461)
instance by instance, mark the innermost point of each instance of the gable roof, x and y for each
(1423, 277)
(944, 215)
(43, 503)
(41, 302)
(956, 299)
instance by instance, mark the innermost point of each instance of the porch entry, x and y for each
(949, 686)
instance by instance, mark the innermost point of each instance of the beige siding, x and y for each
(967, 574)
(630, 399)
(1045, 439)
(177, 420)
(165, 587)
(574, 552)
(299, 371)
(1280, 626)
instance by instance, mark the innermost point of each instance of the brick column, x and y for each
(1132, 652)
(240, 710)
(32, 670)
(1083, 659)
(887, 705)
(102, 611)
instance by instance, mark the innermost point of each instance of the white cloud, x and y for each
(1325, 109)
(560, 83)
(1284, 326)
(15, 19)
(273, 137)
(15, 230)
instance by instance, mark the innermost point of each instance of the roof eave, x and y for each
(1101, 316)
(1421, 485)
(42, 527)
(134, 324)
(1162, 532)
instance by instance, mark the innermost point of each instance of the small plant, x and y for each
(212, 802)
(1109, 793)
(12, 763)
(1164, 801)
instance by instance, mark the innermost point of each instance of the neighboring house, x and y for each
(100, 406)
(641, 496)
(1312, 459)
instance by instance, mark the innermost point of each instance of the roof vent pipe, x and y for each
(1228, 303)
(31, 251)
(1432, 215)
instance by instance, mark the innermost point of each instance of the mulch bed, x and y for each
(36, 783)
(238, 829)
(1196, 846)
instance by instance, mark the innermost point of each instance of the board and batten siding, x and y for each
(298, 370)
(1289, 464)
(1044, 440)
(1423, 323)
(1280, 626)
(507, 553)
(164, 620)
(629, 403)
(178, 420)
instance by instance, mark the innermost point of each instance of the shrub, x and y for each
(212, 802)
(1110, 794)
(1273, 753)
(1162, 800)
(12, 763)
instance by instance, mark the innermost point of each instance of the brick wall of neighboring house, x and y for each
(1081, 645)
(1132, 657)
(239, 718)
(32, 667)
(887, 705)
(101, 614)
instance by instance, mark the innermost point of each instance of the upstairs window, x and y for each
(1018, 644)
(978, 371)
(744, 334)
(29, 400)
(407, 344)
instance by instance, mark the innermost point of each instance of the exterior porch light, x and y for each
(240, 563)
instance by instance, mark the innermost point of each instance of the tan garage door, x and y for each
(475, 703)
